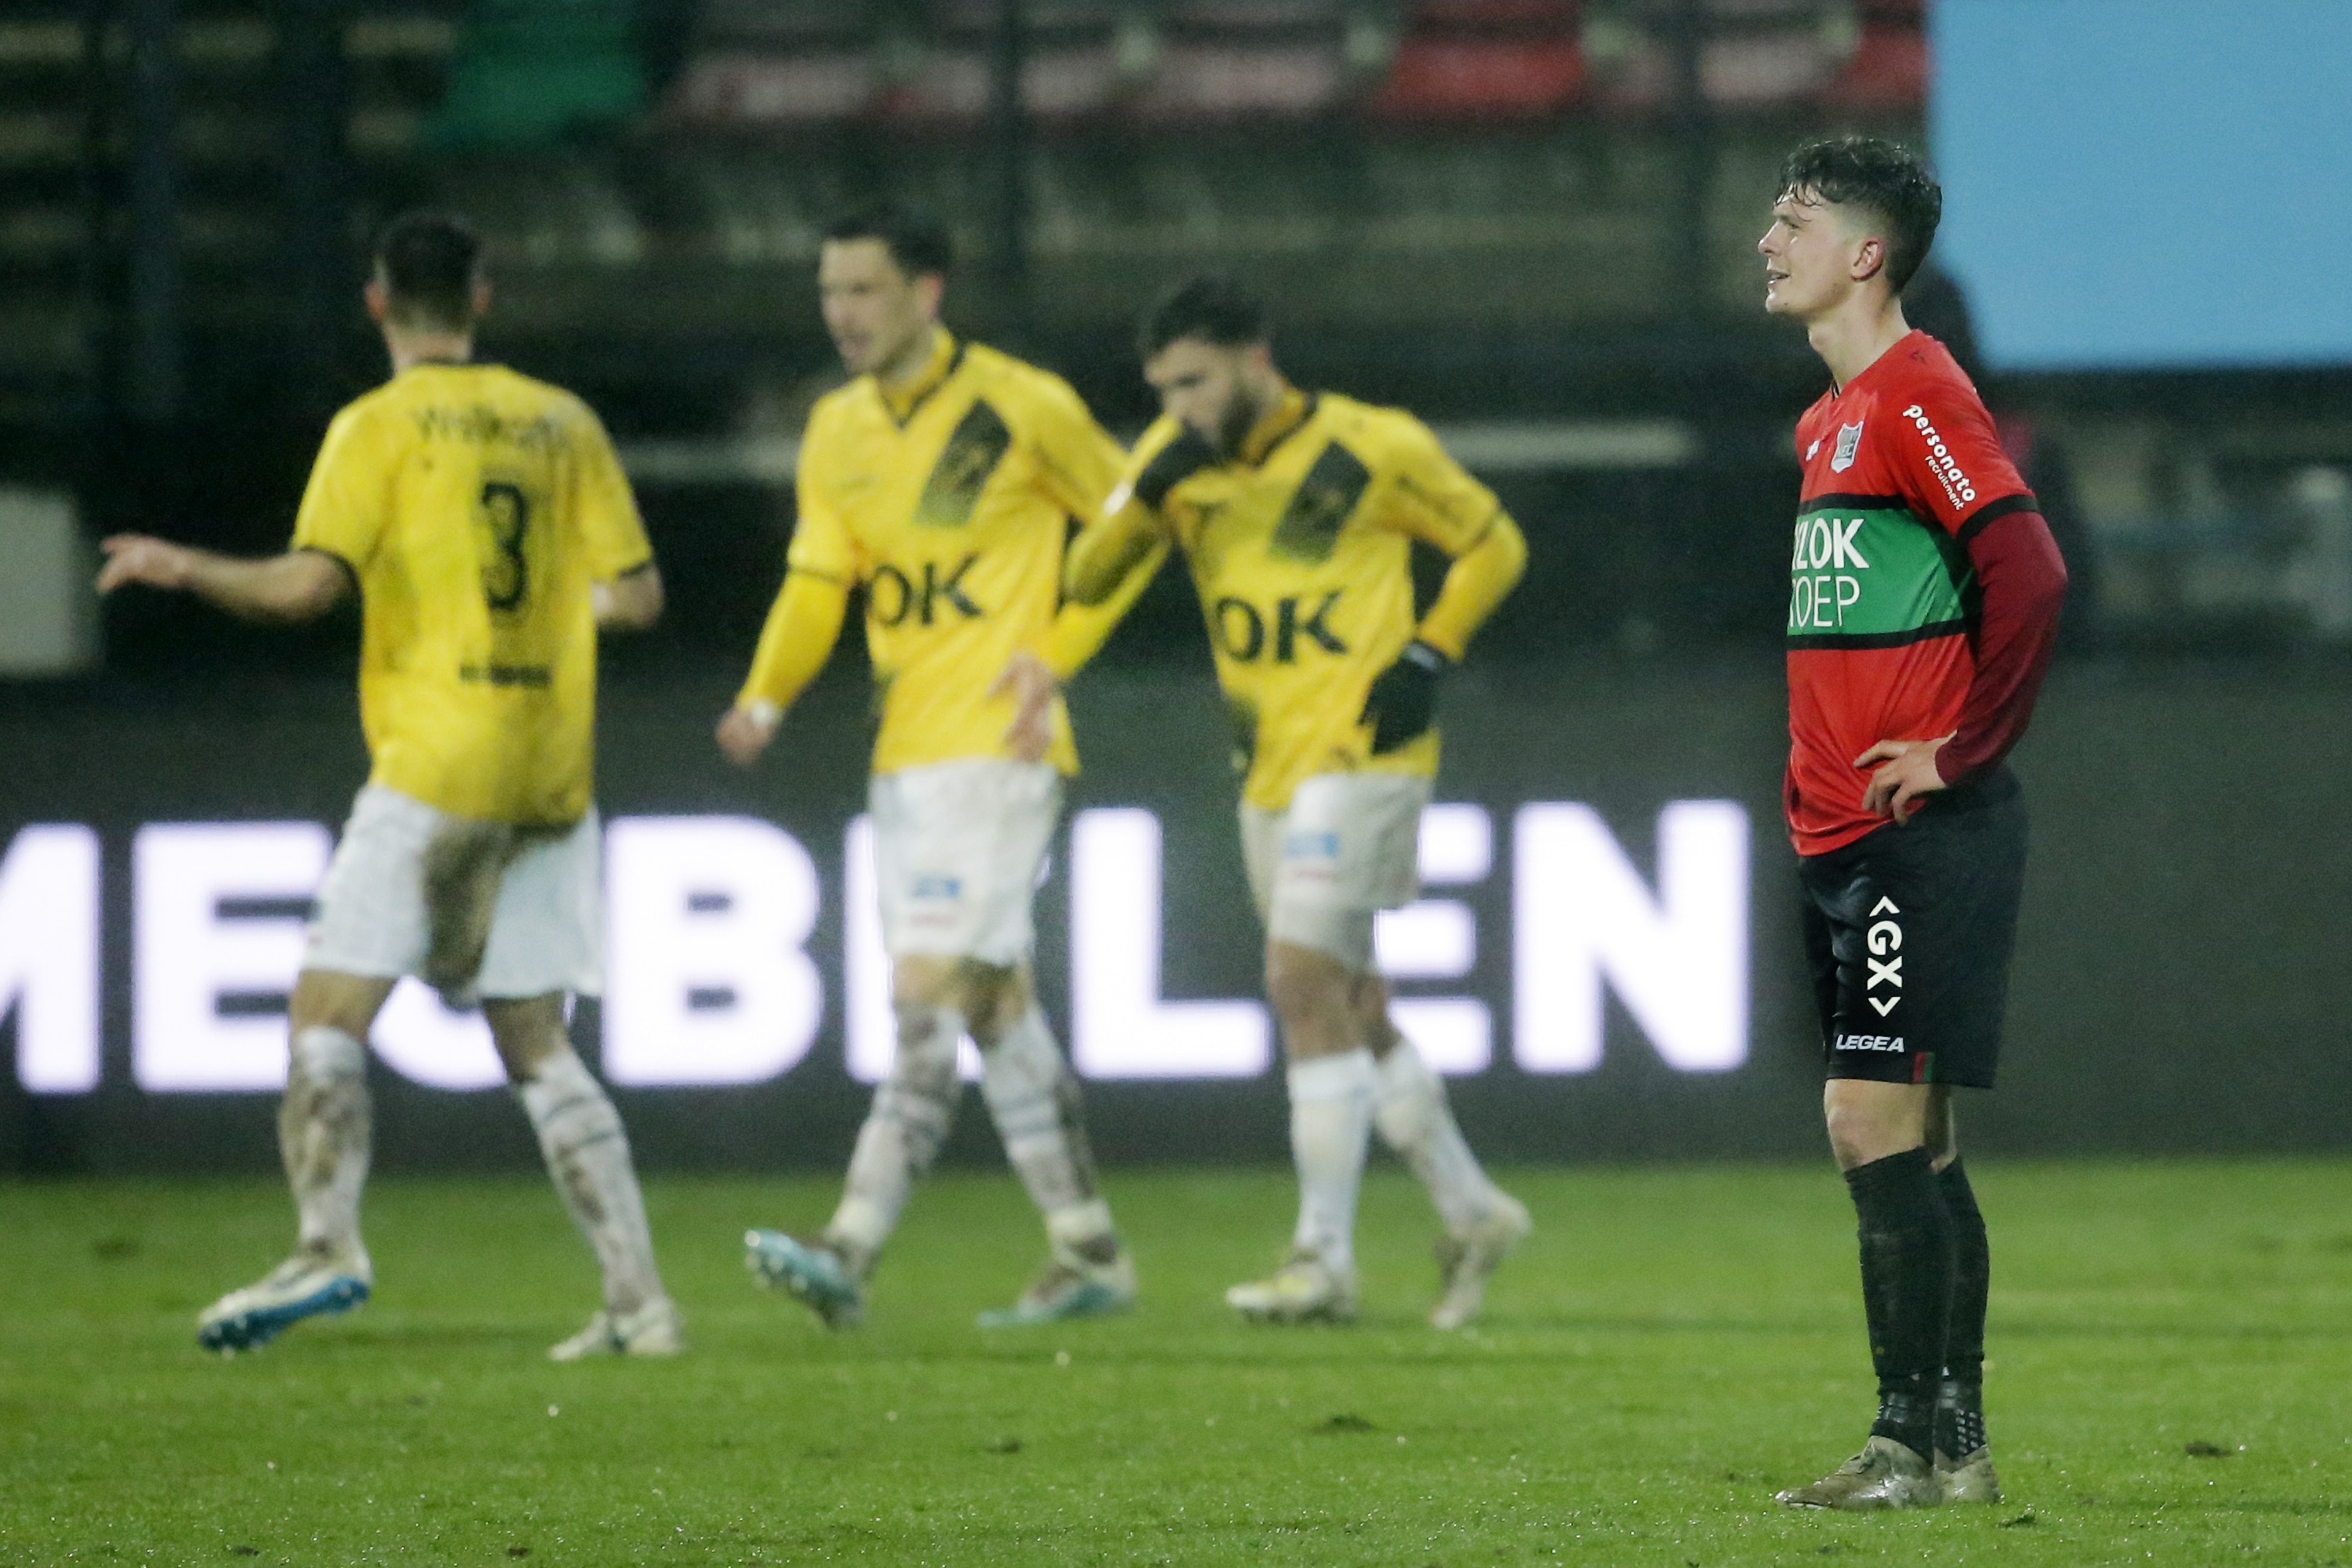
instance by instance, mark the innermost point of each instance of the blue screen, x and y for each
(2147, 184)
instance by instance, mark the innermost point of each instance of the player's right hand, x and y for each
(142, 558)
(744, 731)
(1171, 466)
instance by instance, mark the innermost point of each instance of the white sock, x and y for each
(1330, 1122)
(1413, 1116)
(323, 1136)
(587, 1155)
(909, 1121)
(1034, 1101)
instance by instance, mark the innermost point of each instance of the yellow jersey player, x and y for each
(942, 480)
(1297, 512)
(484, 521)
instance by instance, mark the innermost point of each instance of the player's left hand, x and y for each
(1906, 771)
(1402, 702)
(142, 558)
(1032, 683)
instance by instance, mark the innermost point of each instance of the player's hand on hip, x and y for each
(745, 729)
(142, 558)
(1402, 702)
(1906, 771)
(1032, 683)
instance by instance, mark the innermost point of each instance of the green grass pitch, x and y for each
(2172, 1383)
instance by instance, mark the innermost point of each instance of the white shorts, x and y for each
(546, 929)
(1347, 848)
(958, 850)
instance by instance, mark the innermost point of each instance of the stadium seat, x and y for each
(1888, 70)
(759, 63)
(1484, 59)
(1755, 53)
(1220, 59)
(743, 88)
(1072, 66)
(1197, 81)
(531, 71)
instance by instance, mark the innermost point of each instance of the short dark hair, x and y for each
(918, 243)
(1212, 307)
(431, 262)
(1888, 178)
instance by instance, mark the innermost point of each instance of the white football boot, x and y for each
(1304, 1289)
(1464, 1261)
(1070, 1287)
(655, 1329)
(301, 1287)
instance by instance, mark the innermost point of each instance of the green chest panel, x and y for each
(1866, 575)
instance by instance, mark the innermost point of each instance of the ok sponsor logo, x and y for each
(1871, 1043)
(898, 596)
(1248, 634)
(1824, 581)
(1885, 957)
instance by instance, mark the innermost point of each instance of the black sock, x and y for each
(1959, 1405)
(1907, 1290)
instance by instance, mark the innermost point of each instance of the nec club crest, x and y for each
(1849, 441)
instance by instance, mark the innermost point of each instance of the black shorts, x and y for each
(1908, 930)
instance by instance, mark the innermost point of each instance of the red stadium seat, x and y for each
(1889, 70)
(1461, 78)
(1484, 59)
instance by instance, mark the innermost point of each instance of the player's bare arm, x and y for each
(300, 586)
(631, 601)
(1905, 771)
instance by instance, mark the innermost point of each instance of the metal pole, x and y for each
(93, 282)
(311, 86)
(1694, 161)
(157, 374)
(1008, 125)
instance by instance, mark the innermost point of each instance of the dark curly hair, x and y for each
(1887, 177)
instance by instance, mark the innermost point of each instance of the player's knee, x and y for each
(1863, 1130)
(526, 1032)
(1305, 985)
(345, 1002)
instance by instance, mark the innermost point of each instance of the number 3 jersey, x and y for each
(1902, 470)
(1301, 549)
(474, 507)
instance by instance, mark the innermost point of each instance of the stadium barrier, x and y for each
(1603, 958)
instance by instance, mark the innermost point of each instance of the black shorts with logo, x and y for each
(1908, 930)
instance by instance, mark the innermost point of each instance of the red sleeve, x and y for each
(2022, 581)
(1948, 460)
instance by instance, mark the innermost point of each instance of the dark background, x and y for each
(1531, 214)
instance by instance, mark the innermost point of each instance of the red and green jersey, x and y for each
(1902, 470)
